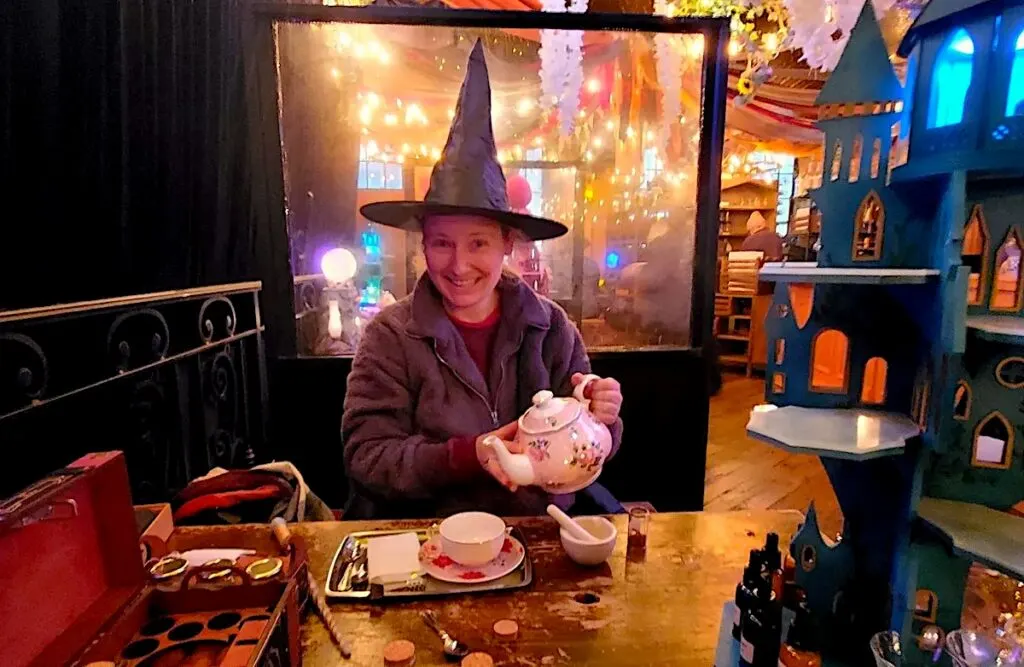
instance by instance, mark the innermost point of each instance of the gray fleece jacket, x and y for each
(415, 397)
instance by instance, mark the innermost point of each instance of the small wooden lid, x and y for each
(506, 628)
(400, 652)
(477, 660)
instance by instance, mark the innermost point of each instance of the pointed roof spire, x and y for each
(864, 73)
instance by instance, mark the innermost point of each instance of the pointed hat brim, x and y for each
(408, 215)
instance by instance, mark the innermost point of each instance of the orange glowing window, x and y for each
(873, 389)
(829, 361)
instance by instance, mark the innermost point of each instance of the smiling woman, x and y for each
(437, 374)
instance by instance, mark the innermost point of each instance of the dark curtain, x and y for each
(123, 149)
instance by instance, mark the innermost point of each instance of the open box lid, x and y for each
(69, 559)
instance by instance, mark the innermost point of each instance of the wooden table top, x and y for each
(662, 611)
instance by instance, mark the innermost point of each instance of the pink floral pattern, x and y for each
(538, 450)
(441, 566)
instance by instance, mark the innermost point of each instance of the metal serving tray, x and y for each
(521, 577)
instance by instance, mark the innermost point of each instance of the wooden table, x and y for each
(662, 611)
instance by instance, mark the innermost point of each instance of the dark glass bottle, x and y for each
(801, 646)
(745, 590)
(761, 630)
(773, 564)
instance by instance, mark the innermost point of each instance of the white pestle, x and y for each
(571, 525)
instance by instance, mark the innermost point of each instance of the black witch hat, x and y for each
(467, 179)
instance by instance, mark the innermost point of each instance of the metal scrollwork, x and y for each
(217, 319)
(307, 298)
(24, 372)
(138, 338)
(222, 392)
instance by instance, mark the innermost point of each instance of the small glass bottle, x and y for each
(801, 647)
(637, 527)
(761, 630)
(746, 590)
(773, 564)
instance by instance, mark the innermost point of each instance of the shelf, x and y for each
(995, 539)
(1000, 329)
(725, 207)
(731, 337)
(736, 295)
(733, 359)
(740, 317)
(810, 272)
(835, 433)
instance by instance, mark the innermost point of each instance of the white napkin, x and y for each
(393, 559)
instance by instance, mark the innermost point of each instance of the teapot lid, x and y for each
(549, 413)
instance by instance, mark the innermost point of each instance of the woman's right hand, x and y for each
(489, 460)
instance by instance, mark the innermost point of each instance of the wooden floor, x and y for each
(743, 473)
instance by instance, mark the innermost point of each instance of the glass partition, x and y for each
(597, 129)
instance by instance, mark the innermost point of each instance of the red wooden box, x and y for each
(74, 590)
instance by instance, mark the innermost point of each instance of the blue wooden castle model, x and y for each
(898, 357)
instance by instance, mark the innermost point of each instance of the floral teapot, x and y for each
(565, 444)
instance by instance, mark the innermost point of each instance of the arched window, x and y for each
(962, 401)
(858, 148)
(1006, 283)
(1015, 94)
(829, 361)
(993, 442)
(837, 161)
(951, 79)
(975, 254)
(872, 390)
(869, 223)
(876, 157)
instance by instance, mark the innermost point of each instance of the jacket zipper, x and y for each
(493, 410)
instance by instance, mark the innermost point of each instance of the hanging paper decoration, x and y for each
(822, 28)
(561, 65)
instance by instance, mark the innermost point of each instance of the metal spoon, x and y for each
(453, 648)
(351, 555)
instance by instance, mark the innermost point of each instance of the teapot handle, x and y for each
(577, 393)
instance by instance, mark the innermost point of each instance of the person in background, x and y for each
(760, 238)
(461, 357)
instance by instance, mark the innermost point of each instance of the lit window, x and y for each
(951, 80)
(870, 221)
(962, 401)
(858, 148)
(653, 166)
(993, 442)
(375, 172)
(926, 605)
(876, 157)
(873, 389)
(974, 254)
(837, 161)
(829, 361)
(1006, 283)
(535, 177)
(1015, 94)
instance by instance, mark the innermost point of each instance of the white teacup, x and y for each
(472, 538)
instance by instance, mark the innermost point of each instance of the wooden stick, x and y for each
(284, 537)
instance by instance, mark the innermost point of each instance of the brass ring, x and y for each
(264, 568)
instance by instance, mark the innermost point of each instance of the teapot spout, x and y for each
(517, 466)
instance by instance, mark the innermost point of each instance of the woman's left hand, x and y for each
(605, 396)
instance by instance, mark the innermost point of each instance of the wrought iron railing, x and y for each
(177, 380)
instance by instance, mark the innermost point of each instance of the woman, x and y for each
(461, 357)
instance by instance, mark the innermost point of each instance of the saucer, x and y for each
(441, 567)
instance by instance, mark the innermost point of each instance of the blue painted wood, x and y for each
(919, 322)
(865, 53)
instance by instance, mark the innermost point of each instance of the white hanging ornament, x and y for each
(821, 29)
(561, 65)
